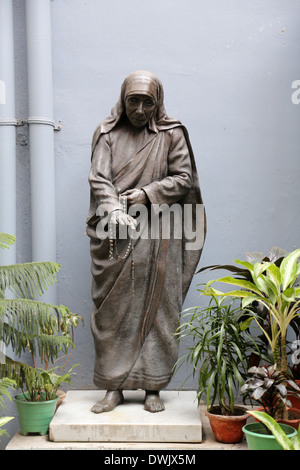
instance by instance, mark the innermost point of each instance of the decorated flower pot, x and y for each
(34, 416)
(227, 429)
(258, 439)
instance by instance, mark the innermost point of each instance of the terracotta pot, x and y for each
(293, 420)
(227, 429)
(295, 401)
(62, 395)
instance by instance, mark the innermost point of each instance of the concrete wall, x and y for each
(227, 69)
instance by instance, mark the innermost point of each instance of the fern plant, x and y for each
(26, 324)
(5, 384)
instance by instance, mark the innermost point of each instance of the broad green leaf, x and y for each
(246, 264)
(212, 291)
(241, 294)
(239, 283)
(265, 286)
(245, 324)
(297, 271)
(273, 272)
(274, 427)
(253, 298)
(297, 292)
(288, 268)
(289, 294)
(259, 268)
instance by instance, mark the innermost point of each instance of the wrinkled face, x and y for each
(139, 109)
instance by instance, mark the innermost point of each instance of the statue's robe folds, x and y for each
(134, 337)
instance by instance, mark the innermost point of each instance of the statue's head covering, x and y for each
(139, 82)
(142, 83)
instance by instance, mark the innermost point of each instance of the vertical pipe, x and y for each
(7, 129)
(41, 132)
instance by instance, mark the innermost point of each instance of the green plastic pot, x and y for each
(34, 416)
(258, 439)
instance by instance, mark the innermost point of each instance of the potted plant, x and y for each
(219, 352)
(45, 330)
(268, 387)
(279, 437)
(37, 405)
(274, 287)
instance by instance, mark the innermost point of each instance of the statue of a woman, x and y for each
(140, 156)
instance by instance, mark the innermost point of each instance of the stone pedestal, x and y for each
(181, 428)
(74, 422)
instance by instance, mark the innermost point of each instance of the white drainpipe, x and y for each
(41, 133)
(7, 129)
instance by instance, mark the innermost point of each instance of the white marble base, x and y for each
(179, 422)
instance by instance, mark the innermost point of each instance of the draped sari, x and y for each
(134, 320)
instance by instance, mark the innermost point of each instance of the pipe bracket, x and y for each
(11, 122)
(44, 121)
(5, 121)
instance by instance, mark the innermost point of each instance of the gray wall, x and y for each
(227, 69)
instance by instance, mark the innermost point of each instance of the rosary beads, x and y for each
(113, 249)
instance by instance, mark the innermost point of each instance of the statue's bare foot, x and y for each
(152, 402)
(112, 399)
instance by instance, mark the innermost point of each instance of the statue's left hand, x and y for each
(135, 196)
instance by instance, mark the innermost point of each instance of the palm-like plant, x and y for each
(28, 324)
(220, 351)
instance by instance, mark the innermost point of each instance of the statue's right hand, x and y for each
(119, 217)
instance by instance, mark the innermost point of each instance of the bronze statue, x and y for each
(140, 158)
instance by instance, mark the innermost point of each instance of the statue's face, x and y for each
(139, 109)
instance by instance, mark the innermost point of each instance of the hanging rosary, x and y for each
(113, 249)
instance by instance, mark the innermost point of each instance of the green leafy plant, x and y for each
(5, 384)
(268, 387)
(292, 443)
(26, 324)
(275, 289)
(275, 256)
(220, 350)
(42, 385)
